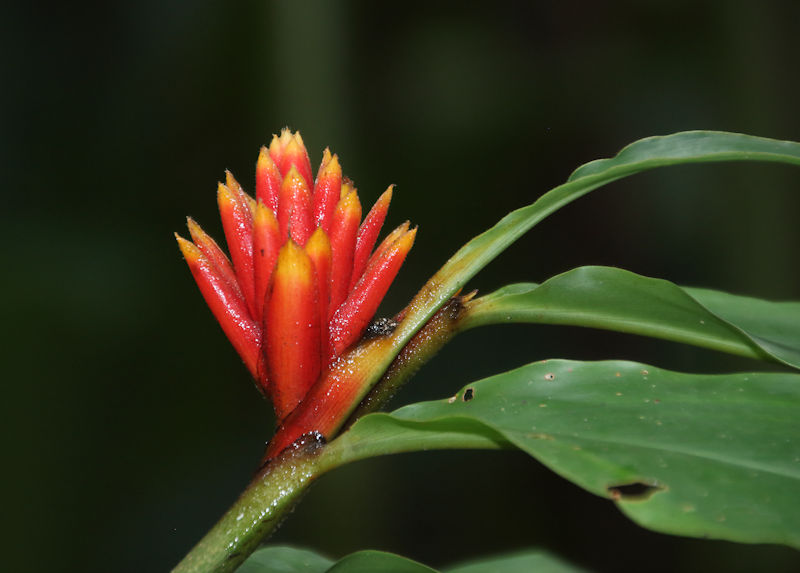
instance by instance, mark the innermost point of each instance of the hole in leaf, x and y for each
(469, 393)
(636, 491)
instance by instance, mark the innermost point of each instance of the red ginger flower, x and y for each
(300, 286)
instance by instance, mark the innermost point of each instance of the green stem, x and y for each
(278, 487)
(259, 510)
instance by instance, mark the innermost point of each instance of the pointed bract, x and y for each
(318, 249)
(214, 254)
(291, 152)
(226, 304)
(388, 241)
(294, 208)
(268, 180)
(344, 229)
(292, 342)
(295, 155)
(278, 145)
(236, 188)
(266, 244)
(237, 222)
(327, 190)
(354, 315)
(368, 234)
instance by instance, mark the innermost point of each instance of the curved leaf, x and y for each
(378, 562)
(532, 561)
(292, 560)
(698, 455)
(615, 299)
(643, 155)
(286, 560)
(773, 326)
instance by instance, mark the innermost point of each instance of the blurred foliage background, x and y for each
(129, 423)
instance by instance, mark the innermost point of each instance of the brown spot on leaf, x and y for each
(635, 491)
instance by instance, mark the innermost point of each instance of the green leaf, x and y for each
(698, 455)
(284, 559)
(532, 561)
(643, 155)
(773, 326)
(614, 299)
(378, 562)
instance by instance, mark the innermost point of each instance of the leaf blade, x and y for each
(286, 559)
(643, 155)
(289, 559)
(615, 299)
(519, 562)
(370, 561)
(676, 439)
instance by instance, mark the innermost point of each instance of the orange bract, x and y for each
(300, 286)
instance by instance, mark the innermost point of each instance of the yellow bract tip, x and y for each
(224, 195)
(350, 203)
(275, 143)
(406, 241)
(190, 251)
(293, 173)
(231, 182)
(347, 188)
(263, 216)
(318, 243)
(293, 264)
(294, 147)
(386, 196)
(264, 159)
(283, 140)
(331, 167)
(396, 234)
(326, 157)
(194, 229)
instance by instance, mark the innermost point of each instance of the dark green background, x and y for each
(129, 424)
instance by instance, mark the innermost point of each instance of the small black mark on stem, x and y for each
(469, 394)
(380, 327)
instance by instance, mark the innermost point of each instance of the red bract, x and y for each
(302, 286)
